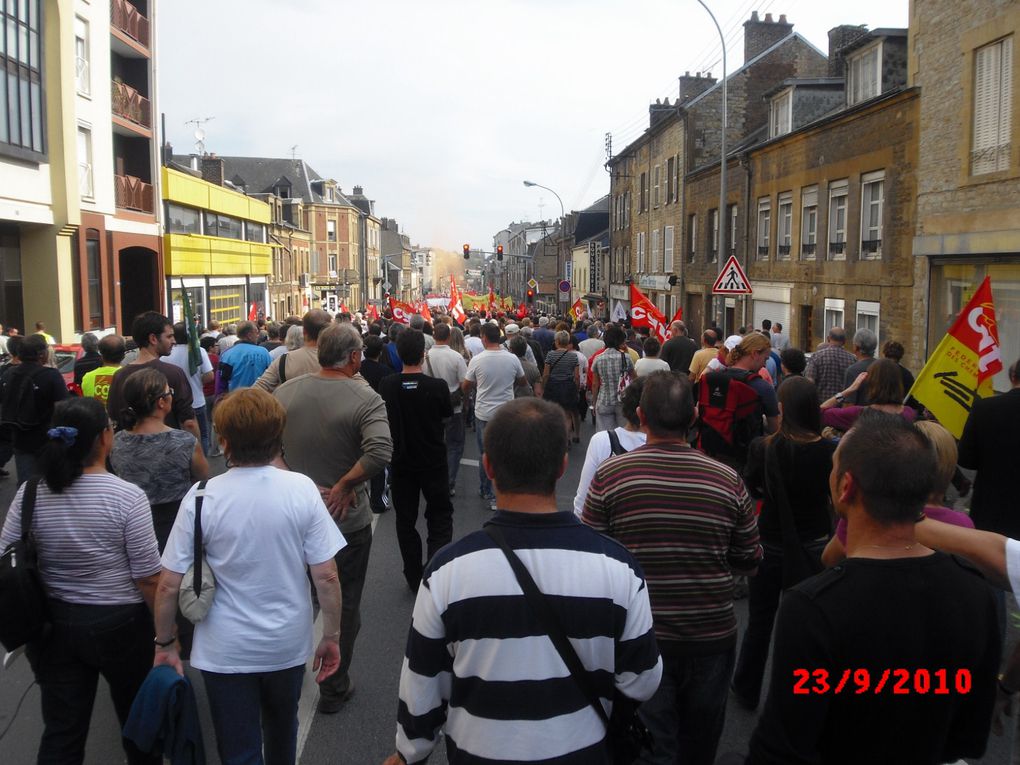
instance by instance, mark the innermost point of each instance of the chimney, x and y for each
(212, 169)
(359, 191)
(762, 35)
(839, 38)
(691, 87)
(659, 111)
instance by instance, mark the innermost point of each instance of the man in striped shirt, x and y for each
(689, 522)
(479, 662)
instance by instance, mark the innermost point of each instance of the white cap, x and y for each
(511, 329)
(732, 342)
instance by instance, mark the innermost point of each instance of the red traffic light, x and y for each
(499, 252)
(467, 251)
(531, 296)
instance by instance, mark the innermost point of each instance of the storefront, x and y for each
(227, 300)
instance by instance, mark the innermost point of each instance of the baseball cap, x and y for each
(732, 342)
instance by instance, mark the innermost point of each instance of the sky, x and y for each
(440, 110)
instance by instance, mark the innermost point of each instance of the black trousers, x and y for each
(405, 487)
(86, 641)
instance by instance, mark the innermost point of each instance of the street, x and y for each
(363, 732)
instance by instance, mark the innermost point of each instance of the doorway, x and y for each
(139, 288)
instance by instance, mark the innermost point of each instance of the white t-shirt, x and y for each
(1013, 566)
(278, 351)
(647, 366)
(448, 365)
(494, 372)
(261, 526)
(599, 450)
(179, 358)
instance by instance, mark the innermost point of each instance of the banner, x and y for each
(643, 313)
(960, 370)
(194, 351)
(455, 307)
(401, 311)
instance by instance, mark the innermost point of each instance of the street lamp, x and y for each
(720, 308)
(563, 218)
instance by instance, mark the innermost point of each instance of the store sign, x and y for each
(619, 292)
(648, 282)
(594, 264)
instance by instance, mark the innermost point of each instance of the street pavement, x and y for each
(363, 732)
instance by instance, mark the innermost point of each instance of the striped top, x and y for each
(480, 665)
(94, 539)
(689, 522)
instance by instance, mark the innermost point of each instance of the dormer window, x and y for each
(282, 191)
(781, 114)
(864, 74)
(328, 193)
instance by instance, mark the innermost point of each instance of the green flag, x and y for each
(194, 351)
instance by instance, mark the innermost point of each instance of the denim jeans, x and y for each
(24, 463)
(686, 714)
(454, 445)
(255, 713)
(87, 641)
(202, 415)
(484, 484)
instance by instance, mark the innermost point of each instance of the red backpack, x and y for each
(730, 415)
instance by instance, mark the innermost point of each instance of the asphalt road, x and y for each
(363, 732)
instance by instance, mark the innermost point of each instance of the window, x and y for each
(781, 114)
(182, 220)
(670, 188)
(993, 107)
(667, 249)
(643, 206)
(331, 231)
(82, 77)
(282, 191)
(785, 234)
(864, 73)
(833, 313)
(655, 186)
(95, 283)
(21, 121)
(626, 208)
(808, 222)
(676, 179)
(655, 264)
(254, 232)
(837, 219)
(713, 224)
(641, 252)
(331, 263)
(872, 190)
(764, 224)
(733, 229)
(867, 315)
(222, 226)
(692, 237)
(86, 186)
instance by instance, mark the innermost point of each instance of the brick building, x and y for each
(968, 226)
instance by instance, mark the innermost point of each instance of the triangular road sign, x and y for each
(732, 280)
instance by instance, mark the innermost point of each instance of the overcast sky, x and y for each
(441, 109)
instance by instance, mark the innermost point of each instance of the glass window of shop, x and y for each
(954, 283)
(226, 304)
(254, 232)
(197, 297)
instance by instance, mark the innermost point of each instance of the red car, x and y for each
(64, 358)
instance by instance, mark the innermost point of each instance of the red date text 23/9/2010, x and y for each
(899, 682)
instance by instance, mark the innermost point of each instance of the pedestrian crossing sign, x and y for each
(732, 280)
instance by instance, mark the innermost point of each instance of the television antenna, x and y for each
(293, 152)
(199, 133)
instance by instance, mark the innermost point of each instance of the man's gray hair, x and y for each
(866, 340)
(417, 321)
(247, 328)
(336, 344)
(89, 343)
(295, 337)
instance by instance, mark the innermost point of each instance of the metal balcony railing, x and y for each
(130, 21)
(133, 193)
(131, 105)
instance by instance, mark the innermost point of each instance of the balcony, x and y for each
(807, 251)
(871, 248)
(131, 105)
(127, 19)
(134, 194)
(837, 250)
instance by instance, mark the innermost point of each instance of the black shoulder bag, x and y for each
(626, 735)
(799, 562)
(24, 612)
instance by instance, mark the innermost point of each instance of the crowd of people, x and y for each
(810, 476)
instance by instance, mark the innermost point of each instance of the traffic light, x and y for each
(672, 280)
(499, 252)
(531, 296)
(467, 251)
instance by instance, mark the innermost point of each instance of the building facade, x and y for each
(962, 57)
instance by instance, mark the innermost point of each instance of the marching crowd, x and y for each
(722, 465)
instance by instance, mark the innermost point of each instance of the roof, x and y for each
(261, 174)
(805, 82)
(871, 36)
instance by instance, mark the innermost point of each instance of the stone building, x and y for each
(961, 56)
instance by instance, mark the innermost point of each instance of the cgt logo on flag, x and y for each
(643, 313)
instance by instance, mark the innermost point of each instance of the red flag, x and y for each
(253, 312)
(643, 313)
(455, 307)
(578, 309)
(423, 309)
(401, 311)
(372, 312)
(492, 301)
(343, 309)
(522, 311)
(678, 316)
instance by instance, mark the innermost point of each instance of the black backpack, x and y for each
(20, 404)
(24, 614)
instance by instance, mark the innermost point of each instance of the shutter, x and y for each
(668, 244)
(1005, 98)
(986, 114)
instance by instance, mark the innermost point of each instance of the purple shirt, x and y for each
(935, 512)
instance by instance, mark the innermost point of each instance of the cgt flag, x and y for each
(960, 370)
(372, 313)
(643, 313)
(401, 311)
(578, 309)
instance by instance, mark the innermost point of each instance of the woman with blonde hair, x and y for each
(262, 529)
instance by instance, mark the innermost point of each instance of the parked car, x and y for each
(64, 358)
